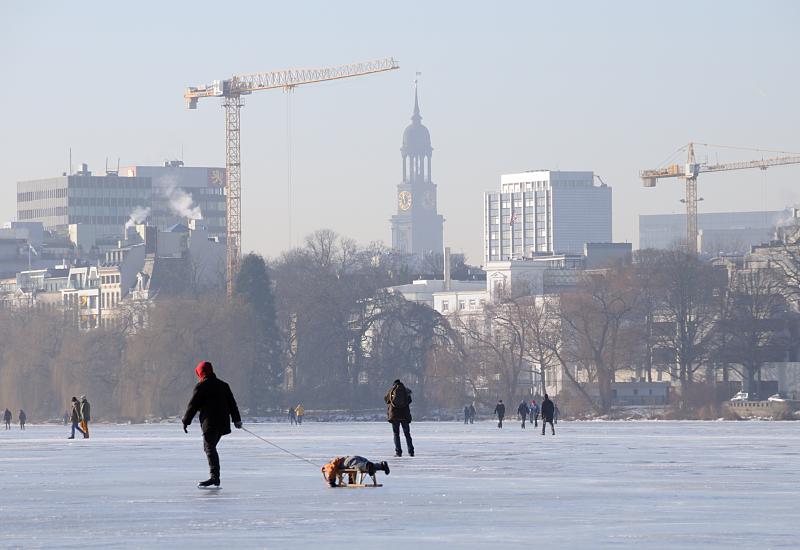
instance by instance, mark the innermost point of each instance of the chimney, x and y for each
(447, 269)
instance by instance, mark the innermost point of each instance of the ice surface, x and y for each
(595, 484)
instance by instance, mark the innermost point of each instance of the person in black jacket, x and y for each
(547, 414)
(523, 411)
(214, 400)
(500, 411)
(22, 419)
(398, 411)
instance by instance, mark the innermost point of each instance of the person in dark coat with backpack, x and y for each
(548, 410)
(214, 400)
(398, 399)
(500, 411)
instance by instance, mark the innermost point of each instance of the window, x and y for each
(445, 305)
(461, 304)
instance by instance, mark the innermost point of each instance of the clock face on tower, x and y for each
(404, 200)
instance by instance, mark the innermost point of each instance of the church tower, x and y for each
(417, 228)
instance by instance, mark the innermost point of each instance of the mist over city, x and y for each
(534, 264)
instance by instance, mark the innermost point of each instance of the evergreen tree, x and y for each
(253, 287)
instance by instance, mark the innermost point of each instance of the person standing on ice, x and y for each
(22, 419)
(292, 417)
(76, 418)
(398, 410)
(7, 419)
(471, 413)
(548, 409)
(466, 414)
(523, 411)
(534, 413)
(500, 411)
(299, 411)
(86, 416)
(213, 399)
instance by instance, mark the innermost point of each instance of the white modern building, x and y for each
(545, 212)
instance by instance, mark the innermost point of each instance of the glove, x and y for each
(184, 429)
(238, 425)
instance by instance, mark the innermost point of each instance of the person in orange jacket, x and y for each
(298, 412)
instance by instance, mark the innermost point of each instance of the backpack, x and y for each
(399, 397)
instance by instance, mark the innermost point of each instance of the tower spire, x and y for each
(416, 117)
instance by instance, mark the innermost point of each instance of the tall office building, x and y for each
(545, 212)
(104, 202)
(417, 228)
(164, 195)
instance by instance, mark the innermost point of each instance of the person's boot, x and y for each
(71, 437)
(411, 453)
(384, 466)
(209, 482)
(398, 454)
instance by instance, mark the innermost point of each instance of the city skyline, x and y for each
(503, 91)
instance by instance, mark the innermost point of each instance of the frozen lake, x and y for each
(595, 484)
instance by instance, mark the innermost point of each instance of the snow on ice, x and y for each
(595, 484)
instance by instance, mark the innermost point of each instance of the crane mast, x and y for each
(231, 91)
(692, 169)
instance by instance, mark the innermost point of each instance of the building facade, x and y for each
(545, 212)
(104, 202)
(726, 232)
(417, 228)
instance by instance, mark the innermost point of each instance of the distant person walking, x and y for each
(75, 416)
(535, 413)
(471, 413)
(466, 414)
(22, 419)
(292, 416)
(86, 416)
(213, 399)
(523, 411)
(299, 411)
(7, 419)
(548, 409)
(500, 411)
(398, 410)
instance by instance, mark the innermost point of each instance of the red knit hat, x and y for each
(203, 369)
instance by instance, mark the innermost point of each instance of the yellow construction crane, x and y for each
(692, 169)
(231, 92)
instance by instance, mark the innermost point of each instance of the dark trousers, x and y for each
(499, 421)
(536, 420)
(524, 418)
(76, 426)
(545, 422)
(210, 440)
(407, 432)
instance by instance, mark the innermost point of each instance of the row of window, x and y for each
(43, 194)
(462, 304)
(109, 279)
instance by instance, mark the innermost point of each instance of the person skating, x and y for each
(523, 411)
(299, 411)
(471, 413)
(22, 419)
(75, 416)
(398, 410)
(500, 411)
(334, 470)
(535, 413)
(292, 416)
(213, 399)
(86, 416)
(7, 419)
(547, 414)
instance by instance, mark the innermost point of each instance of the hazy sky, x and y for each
(613, 87)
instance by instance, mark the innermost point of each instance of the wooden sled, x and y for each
(358, 478)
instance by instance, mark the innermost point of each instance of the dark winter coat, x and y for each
(23, 417)
(86, 410)
(523, 409)
(398, 414)
(7, 416)
(214, 400)
(547, 409)
(500, 410)
(76, 411)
